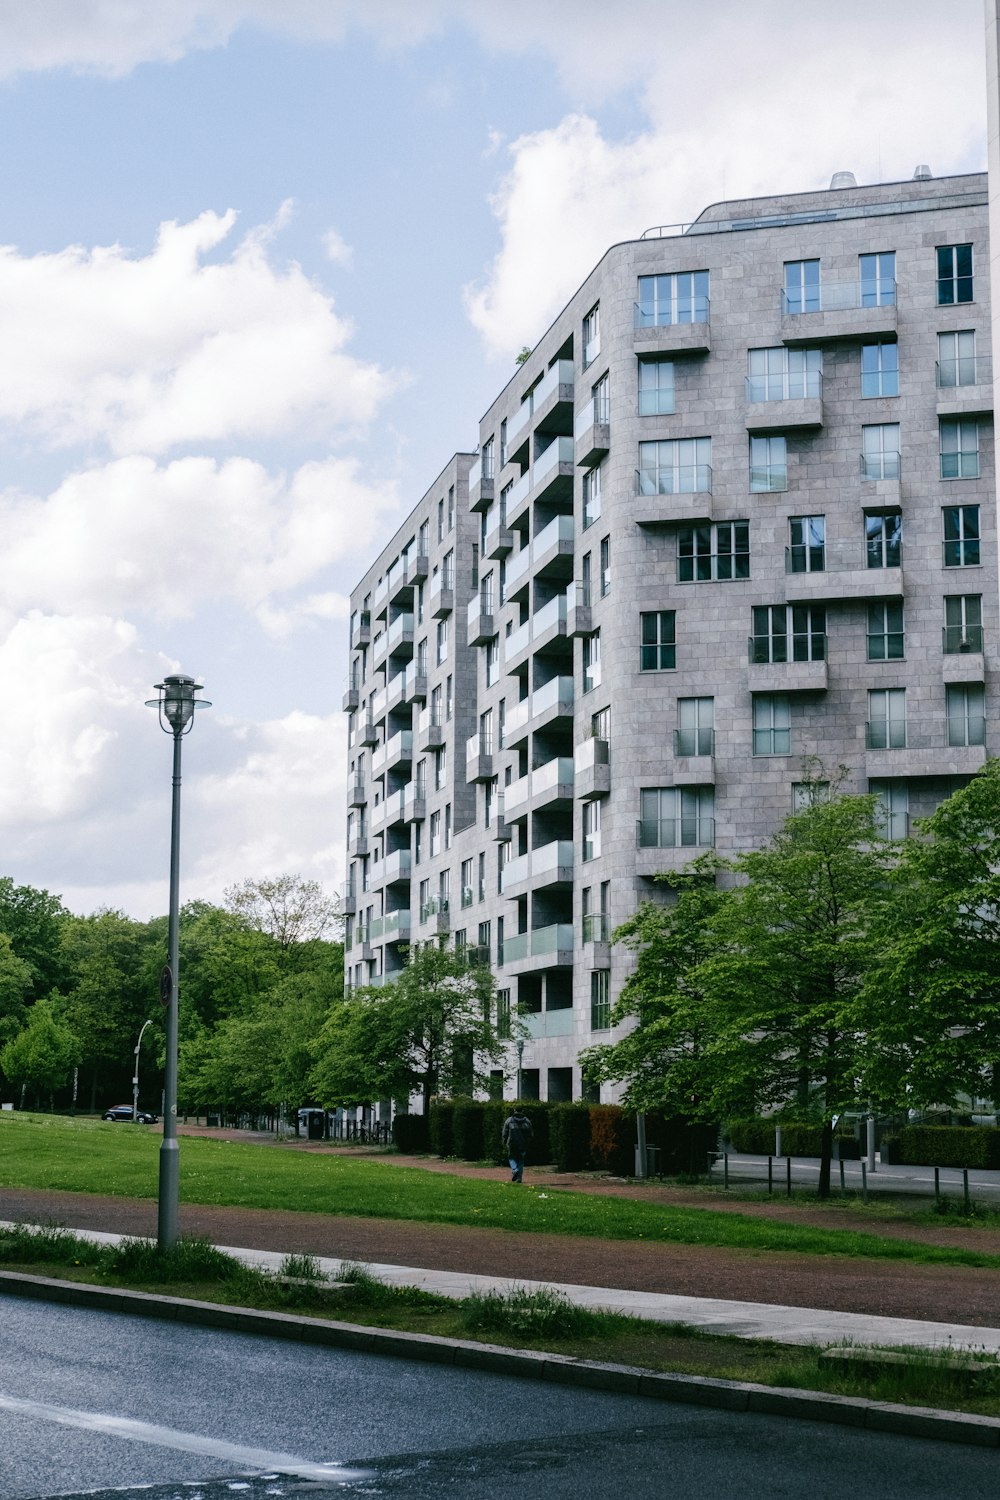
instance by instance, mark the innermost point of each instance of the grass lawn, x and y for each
(90, 1156)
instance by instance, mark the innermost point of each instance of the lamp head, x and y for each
(177, 702)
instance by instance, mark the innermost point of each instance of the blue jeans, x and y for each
(516, 1168)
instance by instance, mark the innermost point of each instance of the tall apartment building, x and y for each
(733, 520)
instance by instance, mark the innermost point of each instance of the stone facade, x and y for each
(731, 527)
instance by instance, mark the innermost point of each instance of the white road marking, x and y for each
(184, 1442)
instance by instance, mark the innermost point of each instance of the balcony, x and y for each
(397, 867)
(399, 636)
(357, 844)
(836, 311)
(414, 683)
(694, 758)
(592, 769)
(655, 334)
(552, 549)
(431, 729)
(368, 733)
(549, 865)
(554, 700)
(361, 630)
(784, 403)
(395, 752)
(552, 398)
(965, 386)
(545, 626)
(482, 625)
(395, 691)
(392, 809)
(906, 750)
(880, 477)
(357, 792)
(435, 914)
(379, 707)
(414, 802)
(517, 722)
(479, 758)
(592, 432)
(552, 474)
(403, 578)
(596, 935)
(501, 828)
(517, 498)
(837, 570)
(680, 493)
(352, 695)
(777, 668)
(671, 843)
(552, 782)
(380, 597)
(519, 431)
(499, 539)
(963, 654)
(543, 1023)
(348, 899)
(579, 620)
(442, 593)
(480, 485)
(544, 948)
(516, 879)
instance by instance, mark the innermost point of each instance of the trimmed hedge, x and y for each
(684, 1144)
(569, 1131)
(612, 1140)
(410, 1134)
(467, 1129)
(943, 1146)
(756, 1138)
(442, 1127)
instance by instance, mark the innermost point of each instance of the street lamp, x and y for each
(176, 705)
(135, 1076)
(520, 1059)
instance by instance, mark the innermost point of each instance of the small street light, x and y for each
(520, 1059)
(135, 1076)
(176, 705)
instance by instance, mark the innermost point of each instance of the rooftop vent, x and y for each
(843, 180)
(921, 173)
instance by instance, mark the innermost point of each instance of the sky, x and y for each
(263, 265)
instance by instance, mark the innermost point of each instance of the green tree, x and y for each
(110, 992)
(32, 919)
(932, 1003)
(427, 1032)
(15, 986)
(286, 908)
(43, 1053)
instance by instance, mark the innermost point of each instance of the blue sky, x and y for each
(266, 262)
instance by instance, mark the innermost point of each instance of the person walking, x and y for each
(516, 1140)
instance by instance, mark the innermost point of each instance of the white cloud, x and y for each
(145, 352)
(337, 249)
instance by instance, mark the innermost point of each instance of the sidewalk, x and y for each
(750, 1320)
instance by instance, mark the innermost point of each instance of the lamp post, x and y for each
(176, 705)
(135, 1076)
(520, 1059)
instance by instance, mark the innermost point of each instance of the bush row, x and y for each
(756, 1137)
(943, 1146)
(574, 1137)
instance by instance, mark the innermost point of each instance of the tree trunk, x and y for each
(826, 1155)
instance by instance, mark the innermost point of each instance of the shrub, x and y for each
(944, 1146)
(526, 1314)
(569, 1130)
(186, 1260)
(410, 1134)
(467, 1129)
(684, 1144)
(442, 1127)
(756, 1138)
(612, 1143)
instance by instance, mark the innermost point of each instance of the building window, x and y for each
(481, 878)
(451, 507)
(878, 278)
(883, 538)
(605, 567)
(591, 661)
(503, 442)
(768, 465)
(486, 468)
(441, 654)
(678, 298)
(788, 632)
(806, 794)
(656, 387)
(600, 999)
(963, 623)
(435, 834)
(806, 552)
(772, 724)
(658, 647)
(444, 890)
(591, 830)
(695, 733)
(491, 653)
(600, 724)
(801, 286)
(486, 732)
(676, 466)
(961, 536)
(956, 362)
(885, 631)
(423, 537)
(490, 791)
(960, 449)
(781, 374)
(591, 336)
(503, 1007)
(440, 521)
(461, 941)
(600, 400)
(880, 450)
(892, 810)
(591, 496)
(713, 553)
(466, 875)
(954, 274)
(966, 708)
(441, 768)
(886, 729)
(879, 370)
(676, 817)
(448, 698)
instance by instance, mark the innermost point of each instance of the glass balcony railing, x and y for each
(669, 314)
(517, 641)
(967, 369)
(554, 773)
(478, 744)
(399, 631)
(675, 833)
(561, 373)
(796, 646)
(595, 927)
(516, 795)
(957, 639)
(516, 871)
(518, 423)
(880, 465)
(787, 385)
(556, 693)
(596, 413)
(558, 855)
(681, 479)
(560, 451)
(694, 741)
(838, 296)
(519, 567)
(559, 530)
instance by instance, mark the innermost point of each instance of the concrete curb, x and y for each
(692, 1390)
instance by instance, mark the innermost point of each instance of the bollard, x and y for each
(864, 1182)
(937, 1183)
(965, 1190)
(788, 1176)
(842, 1189)
(725, 1169)
(770, 1178)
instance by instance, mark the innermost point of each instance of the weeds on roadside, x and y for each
(186, 1260)
(531, 1314)
(47, 1244)
(302, 1268)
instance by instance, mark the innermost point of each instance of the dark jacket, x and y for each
(517, 1135)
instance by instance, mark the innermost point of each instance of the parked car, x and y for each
(124, 1112)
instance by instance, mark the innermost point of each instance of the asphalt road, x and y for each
(93, 1402)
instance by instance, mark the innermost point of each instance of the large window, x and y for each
(788, 632)
(806, 551)
(802, 286)
(600, 395)
(886, 728)
(879, 370)
(695, 733)
(600, 999)
(658, 648)
(885, 631)
(782, 374)
(772, 724)
(963, 623)
(961, 536)
(709, 553)
(656, 387)
(883, 538)
(678, 298)
(960, 449)
(892, 810)
(966, 708)
(591, 661)
(880, 450)
(441, 653)
(591, 496)
(878, 278)
(676, 466)
(591, 830)
(605, 566)
(954, 274)
(956, 363)
(768, 465)
(675, 817)
(591, 336)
